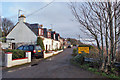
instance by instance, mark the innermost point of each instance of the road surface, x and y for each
(58, 66)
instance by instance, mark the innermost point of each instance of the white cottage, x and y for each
(25, 33)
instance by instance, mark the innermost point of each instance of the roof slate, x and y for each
(33, 27)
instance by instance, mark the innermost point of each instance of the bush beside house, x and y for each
(40, 42)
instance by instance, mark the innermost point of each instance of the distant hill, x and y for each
(74, 41)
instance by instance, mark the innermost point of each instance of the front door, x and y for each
(46, 47)
(13, 45)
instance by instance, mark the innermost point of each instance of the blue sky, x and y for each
(58, 14)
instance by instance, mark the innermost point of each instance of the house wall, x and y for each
(61, 43)
(56, 44)
(51, 44)
(47, 43)
(21, 33)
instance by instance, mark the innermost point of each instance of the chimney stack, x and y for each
(21, 18)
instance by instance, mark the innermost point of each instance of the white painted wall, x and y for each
(21, 33)
(56, 44)
(46, 55)
(47, 42)
(51, 44)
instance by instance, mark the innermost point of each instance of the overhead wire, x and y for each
(34, 11)
(40, 9)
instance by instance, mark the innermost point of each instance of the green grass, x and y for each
(94, 70)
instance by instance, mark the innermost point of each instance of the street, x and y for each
(58, 66)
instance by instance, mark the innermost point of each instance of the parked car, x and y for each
(69, 46)
(36, 50)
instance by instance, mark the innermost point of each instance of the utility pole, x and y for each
(79, 37)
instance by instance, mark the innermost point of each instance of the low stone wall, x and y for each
(9, 62)
(46, 55)
(56, 52)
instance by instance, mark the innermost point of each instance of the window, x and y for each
(25, 48)
(49, 35)
(31, 48)
(40, 32)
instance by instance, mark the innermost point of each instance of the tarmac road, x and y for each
(58, 66)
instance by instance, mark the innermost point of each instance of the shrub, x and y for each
(74, 52)
(40, 42)
(94, 65)
(16, 53)
(55, 50)
(79, 59)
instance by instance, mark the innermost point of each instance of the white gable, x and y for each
(21, 33)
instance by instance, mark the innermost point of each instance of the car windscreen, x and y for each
(38, 48)
(20, 48)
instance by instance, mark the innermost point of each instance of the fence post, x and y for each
(28, 54)
(8, 59)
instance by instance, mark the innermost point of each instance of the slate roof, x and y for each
(33, 27)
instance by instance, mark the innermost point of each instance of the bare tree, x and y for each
(7, 25)
(0, 27)
(101, 20)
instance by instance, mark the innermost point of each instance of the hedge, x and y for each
(40, 42)
(16, 53)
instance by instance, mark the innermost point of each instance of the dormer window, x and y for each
(54, 35)
(40, 32)
(49, 34)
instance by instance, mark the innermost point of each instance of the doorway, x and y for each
(13, 45)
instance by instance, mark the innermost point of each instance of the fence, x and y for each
(9, 62)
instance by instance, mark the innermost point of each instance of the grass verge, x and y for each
(95, 70)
